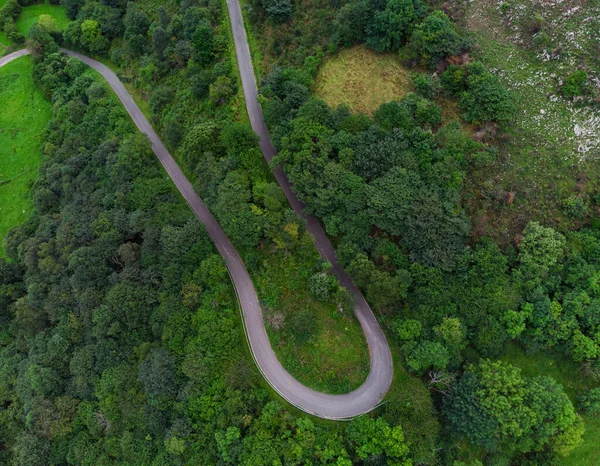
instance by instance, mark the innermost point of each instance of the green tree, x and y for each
(157, 374)
(407, 329)
(374, 438)
(160, 41)
(426, 355)
(278, 10)
(539, 252)
(435, 39)
(91, 36)
(485, 99)
(391, 26)
(494, 406)
(48, 23)
(589, 402)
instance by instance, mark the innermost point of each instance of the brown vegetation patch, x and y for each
(362, 79)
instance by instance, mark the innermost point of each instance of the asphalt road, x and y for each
(379, 380)
(352, 404)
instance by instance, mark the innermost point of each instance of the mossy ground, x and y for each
(24, 115)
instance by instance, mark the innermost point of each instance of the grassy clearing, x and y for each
(334, 359)
(588, 454)
(544, 363)
(24, 115)
(30, 14)
(553, 142)
(4, 40)
(574, 383)
(362, 79)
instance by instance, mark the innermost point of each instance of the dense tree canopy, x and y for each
(119, 337)
(494, 406)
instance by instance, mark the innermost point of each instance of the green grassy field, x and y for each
(335, 358)
(24, 115)
(362, 79)
(30, 14)
(3, 39)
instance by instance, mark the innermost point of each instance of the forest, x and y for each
(121, 341)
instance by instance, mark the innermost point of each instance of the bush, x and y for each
(426, 85)
(320, 286)
(436, 39)
(302, 325)
(12, 32)
(589, 402)
(485, 99)
(454, 79)
(575, 84)
(575, 207)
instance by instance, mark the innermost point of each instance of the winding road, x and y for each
(346, 406)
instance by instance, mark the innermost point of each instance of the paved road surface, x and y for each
(368, 395)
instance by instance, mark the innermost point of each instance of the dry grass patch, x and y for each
(362, 79)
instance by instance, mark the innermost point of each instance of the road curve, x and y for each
(360, 401)
(380, 376)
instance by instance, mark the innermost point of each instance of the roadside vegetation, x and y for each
(25, 114)
(133, 352)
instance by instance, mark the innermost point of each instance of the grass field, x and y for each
(362, 79)
(3, 39)
(574, 383)
(30, 14)
(24, 115)
(335, 358)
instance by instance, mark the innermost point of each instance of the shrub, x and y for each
(319, 286)
(575, 84)
(575, 207)
(454, 79)
(542, 40)
(12, 32)
(426, 85)
(302, 325)
(436, 39)
(485, 99)
(589, 402)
